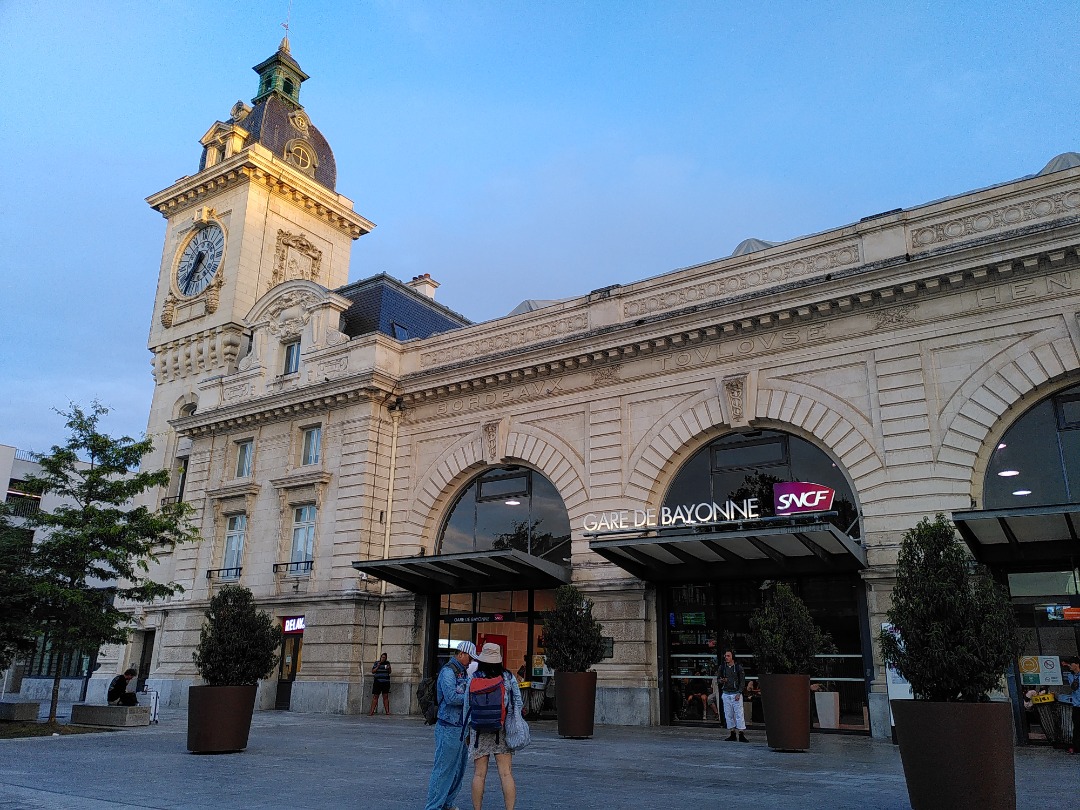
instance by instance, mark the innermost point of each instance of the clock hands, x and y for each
(192, 275)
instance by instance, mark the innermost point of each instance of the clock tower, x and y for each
(261, 210)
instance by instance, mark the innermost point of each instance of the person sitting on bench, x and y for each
(118, 690)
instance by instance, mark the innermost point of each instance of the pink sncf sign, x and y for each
(794, 497)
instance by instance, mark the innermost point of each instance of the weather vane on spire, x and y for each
(285, 40)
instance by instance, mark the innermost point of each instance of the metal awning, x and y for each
(502, 570)
(1036, 534)
(778, 549)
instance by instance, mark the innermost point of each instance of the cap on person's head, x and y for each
(490, 654)
(467, 647)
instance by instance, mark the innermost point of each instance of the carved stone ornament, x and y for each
(606, 374)
(894, 316)
(733, 393)
(295, 257)
(300, 121)
(291, 313)
(239, 111)
(493, 441)
(332, 337)
(168, 310)
(213, 293)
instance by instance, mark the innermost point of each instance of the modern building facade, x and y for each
(32, 678)
(387, 477)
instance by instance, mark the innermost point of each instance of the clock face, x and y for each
(200, 260)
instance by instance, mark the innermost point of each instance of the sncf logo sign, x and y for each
(793, 497)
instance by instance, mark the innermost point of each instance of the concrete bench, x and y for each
(89, 714)
(23, 712)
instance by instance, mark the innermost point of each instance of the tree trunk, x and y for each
(56, 682)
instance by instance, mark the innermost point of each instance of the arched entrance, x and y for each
(502, 548)
(711, 568)
(1028, 532)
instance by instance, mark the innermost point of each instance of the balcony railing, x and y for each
(294, 568)
(27, 455)
(18, 506)
(224, 573)
(170, 500)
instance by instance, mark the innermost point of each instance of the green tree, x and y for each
(238, 643)
(17, 634)
(955, 632)
(784, 637)
(97, 547)
(572, 637)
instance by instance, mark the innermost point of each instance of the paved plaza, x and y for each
(330, 761)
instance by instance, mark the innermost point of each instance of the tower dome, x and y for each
(277, 120)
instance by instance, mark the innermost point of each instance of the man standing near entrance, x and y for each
(730, 677)
(451, 741)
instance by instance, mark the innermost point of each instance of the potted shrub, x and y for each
(237, 647)
(572, 644)
(785, 642)
(953, 636)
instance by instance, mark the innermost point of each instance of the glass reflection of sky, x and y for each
(1043, 453)
(538, 524)
(697, 483)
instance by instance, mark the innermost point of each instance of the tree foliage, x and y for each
(784, 637)
(572, 640)
(96, 547)
(238, 644)
(17, 634)
(955, 632)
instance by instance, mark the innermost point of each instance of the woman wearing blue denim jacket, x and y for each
(451, 746)
(1070, 671)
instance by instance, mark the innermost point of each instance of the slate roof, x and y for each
(384, 304)
(270, 125)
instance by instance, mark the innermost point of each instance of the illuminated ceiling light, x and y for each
(1001, 446)
(512, 502)
(1008, 473)
(1022, 492)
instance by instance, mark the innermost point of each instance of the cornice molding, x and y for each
(257, 165)
(370, 387)
(890, 304)
(301, 479)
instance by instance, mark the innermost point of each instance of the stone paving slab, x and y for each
(330, 761)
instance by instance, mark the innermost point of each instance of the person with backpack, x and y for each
(451, 694)
(492, 691)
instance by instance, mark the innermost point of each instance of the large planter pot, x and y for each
(575, 698)
(786, 701)
(957, 755)
(219, 718)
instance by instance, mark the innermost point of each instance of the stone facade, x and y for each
(903, 346)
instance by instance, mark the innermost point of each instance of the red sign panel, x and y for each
(796, 497)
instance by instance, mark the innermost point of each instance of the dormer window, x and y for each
(302, 155)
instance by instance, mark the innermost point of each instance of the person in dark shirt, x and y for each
(118, 690)
(381, 685)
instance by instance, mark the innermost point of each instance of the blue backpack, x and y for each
(487, 705)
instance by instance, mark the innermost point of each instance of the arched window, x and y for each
(746, 465)
(1037, 461)
(508, 507)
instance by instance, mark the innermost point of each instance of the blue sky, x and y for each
(513, 150)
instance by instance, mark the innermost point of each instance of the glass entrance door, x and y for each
(288, 666)
(703, 619)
